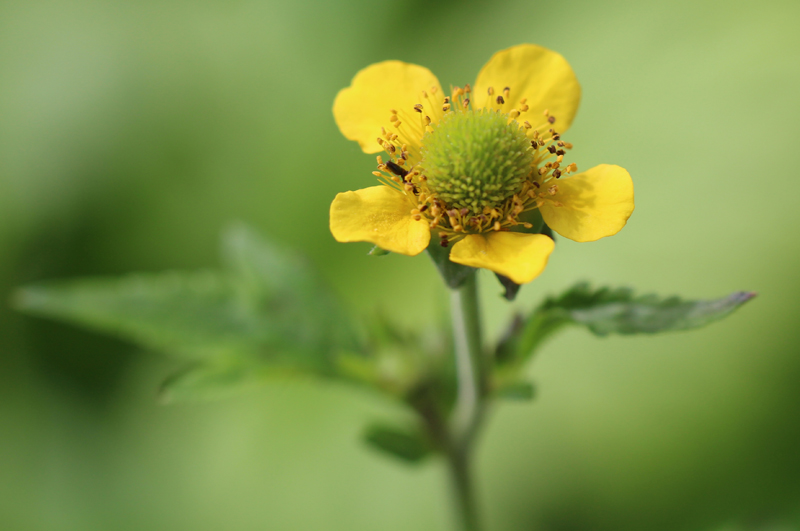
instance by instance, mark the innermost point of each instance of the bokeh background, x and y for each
(131, 132)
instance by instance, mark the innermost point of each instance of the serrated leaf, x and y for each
(407, 445)
(189, 314)
(611, 311)
(267, 305)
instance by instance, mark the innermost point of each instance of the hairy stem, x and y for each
(471, 372)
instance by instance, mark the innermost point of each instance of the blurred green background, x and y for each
(132, 132)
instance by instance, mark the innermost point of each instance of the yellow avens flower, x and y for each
(473, 164)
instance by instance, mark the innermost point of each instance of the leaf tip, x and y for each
(24, 299)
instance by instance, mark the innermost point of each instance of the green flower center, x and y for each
(476, 160)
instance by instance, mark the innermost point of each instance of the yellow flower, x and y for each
(474, 164)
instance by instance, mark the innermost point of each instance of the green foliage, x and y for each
(216, 378)
(406, 444)
(453, 274)
(266, 311)
(610, 311)
(377, 251)
(517, 391)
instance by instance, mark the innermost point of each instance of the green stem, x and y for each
(471, 372)
(461, 479)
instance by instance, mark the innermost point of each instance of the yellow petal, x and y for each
(542, 76)
(365, 106)
(380, 215)
(521, 257)
(594, 204)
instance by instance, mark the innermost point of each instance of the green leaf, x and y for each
(611, 311)
(213, 379)
(520, 391)
(511, 287)
(453, 274)
(407, 445)
(266, 307)
(377, 251)
(189, 314)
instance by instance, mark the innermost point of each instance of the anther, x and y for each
(377, 174)
(500, 100)
(418, 108)
(551, 119)
(490, 90)
(527, 124)
(551, 148)
(427, 120)
(513, 114)
(557, 174)
(467, 88)
(393, 118)
(447, 99)
(446, 107)
(466, 103)
(423, 208)
(507, 92)
(393, 111)
(553, 190)
(398, 123)
(379, 159)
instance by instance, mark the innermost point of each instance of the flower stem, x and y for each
(471, 372)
